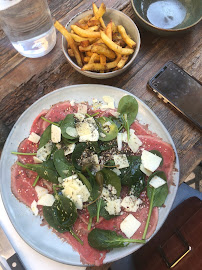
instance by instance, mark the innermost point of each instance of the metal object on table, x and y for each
(7, 252)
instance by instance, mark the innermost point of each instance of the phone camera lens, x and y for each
(155, 84)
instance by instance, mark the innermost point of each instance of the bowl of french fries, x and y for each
(100, 43)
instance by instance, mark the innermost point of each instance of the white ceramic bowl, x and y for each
(117, 17)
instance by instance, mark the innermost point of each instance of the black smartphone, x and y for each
(180, 89)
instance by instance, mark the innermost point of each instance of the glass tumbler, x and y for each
(29, 26)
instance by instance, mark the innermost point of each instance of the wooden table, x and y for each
(24, 80)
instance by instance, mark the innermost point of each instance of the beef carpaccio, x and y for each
(90, 169)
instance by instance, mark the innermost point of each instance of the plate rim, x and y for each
(176, 164)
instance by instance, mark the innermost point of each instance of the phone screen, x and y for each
(181, 90)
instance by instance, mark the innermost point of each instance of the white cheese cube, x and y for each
(79, 116)
(71, 131)
(87, 130)
(37, 160)
(34, 208)
(157, 181)
(72, 177)
(134, 142)
(129, 225)
(33, 137)
(40, 191)
(46, 200)
(113, 207)
(72, 102)
(110, 102)
(44, 151)
(82, 108)
(69, 149)
(75, 190)
(119, 141)
(55, 134)
(144, 170)
(115, 114)
(150, 161)
(131, 203)
(121, 161)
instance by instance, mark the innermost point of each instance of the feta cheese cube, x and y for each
(131, 203)
(113, 207)
(117, 171)
(82, 108)
(34, 208)
(79, 116)
(87, 130)
(157, 182)
(144, 170)
(150, 161)
(69, 149)
(129, 225)
(72, 102)
(75, 190)
(46, 200)
(110, 102)
(40, 191)
(134, 142)
(55, 134)
(119, 141)
(33, 137)
(121, 161)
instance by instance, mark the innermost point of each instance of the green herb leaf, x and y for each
(106, 239)
(69, 121)
(111, 178)
(78, 150)
(45, 137)
(128, 105)
(63, 167)
(45, 170)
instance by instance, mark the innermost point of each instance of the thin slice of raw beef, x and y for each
(37, 124)
(27, 146)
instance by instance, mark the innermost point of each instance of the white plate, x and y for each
(26, 224)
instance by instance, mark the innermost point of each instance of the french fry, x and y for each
(108, 30)
(80, 39)
(82, 25)
(103, 61)
(114, 28)
(122, 62)
(85, 33)
(70, 52)
(85, 49)
(125, 37)
(85, 43)
(94, 57)
(100, 67)
(101, 49)
(113, 46)
(95, 10)
(70, 41)
(85, 19)
(101, 11)
(87, 59)
(93, 28)
(93, 22)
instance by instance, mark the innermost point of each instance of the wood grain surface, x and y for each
(24, 80)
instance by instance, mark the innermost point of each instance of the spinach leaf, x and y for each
(156, 152)
(67, 122)
(63, 167)
(45, 137)
(61, 215)
(111, 178)
(128, 105)
(132, 176)
(157, 196)
(107, 145)
(45, 170)
(106, 239)
(78, 150)
(160, 193)
(110, 131)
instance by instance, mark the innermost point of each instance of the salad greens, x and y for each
(106, 239)
(63, 213)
